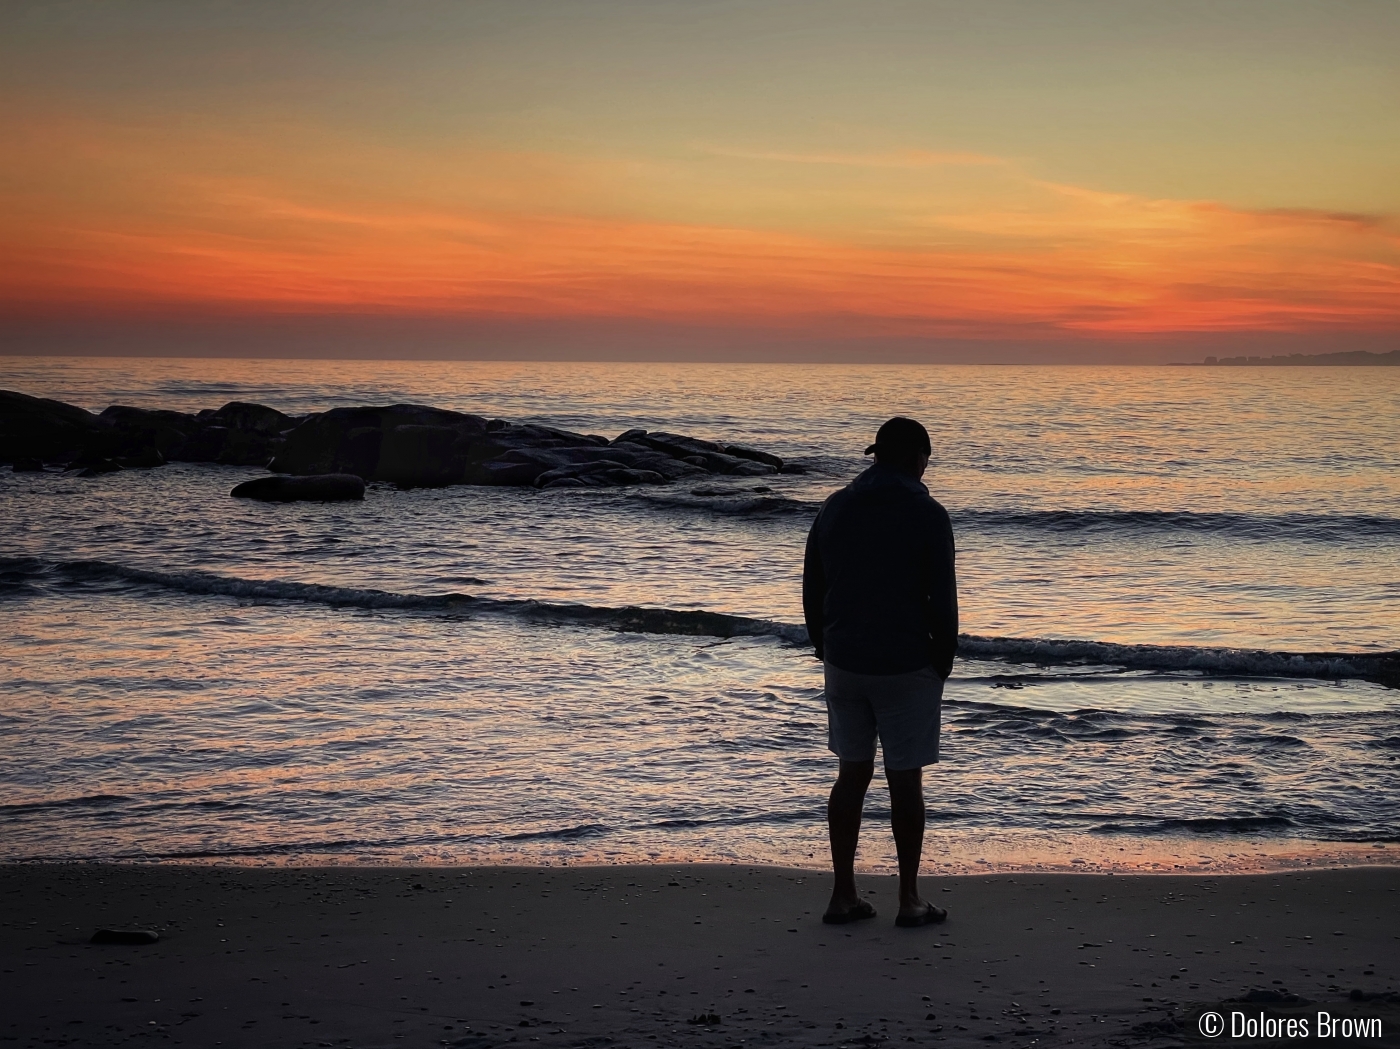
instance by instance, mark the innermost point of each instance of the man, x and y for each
(881, 603)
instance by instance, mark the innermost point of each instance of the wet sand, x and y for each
(596, 956)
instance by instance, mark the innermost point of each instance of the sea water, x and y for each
(453, 675)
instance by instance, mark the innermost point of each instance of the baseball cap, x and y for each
(901, 438)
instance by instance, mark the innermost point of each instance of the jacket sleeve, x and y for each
(942, 596)
(814, 589)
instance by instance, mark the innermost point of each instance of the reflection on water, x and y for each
(1235, 507)
(153, 730)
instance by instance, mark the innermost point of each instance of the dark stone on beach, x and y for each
(27, 465)
(131, 937)
(1164, 1027)
(1265, 995)
(323, 488)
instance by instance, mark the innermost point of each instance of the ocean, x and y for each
(1176, 584)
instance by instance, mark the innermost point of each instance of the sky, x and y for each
(877, 180)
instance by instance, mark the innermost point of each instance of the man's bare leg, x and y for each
(907, 822)
(843, 812)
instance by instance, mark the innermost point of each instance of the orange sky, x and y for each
(164, 195)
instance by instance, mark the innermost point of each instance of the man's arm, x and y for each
(813, 589)
(943, 596)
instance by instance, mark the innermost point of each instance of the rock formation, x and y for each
(409, 445)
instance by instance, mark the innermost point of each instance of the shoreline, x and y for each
(946, 854)
(569, 956)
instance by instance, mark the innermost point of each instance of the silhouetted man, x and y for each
(880, 597)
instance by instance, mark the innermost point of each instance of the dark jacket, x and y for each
(878, 585)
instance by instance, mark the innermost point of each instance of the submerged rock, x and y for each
(322, 488)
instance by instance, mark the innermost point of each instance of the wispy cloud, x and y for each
(907, 158)
(278, 225)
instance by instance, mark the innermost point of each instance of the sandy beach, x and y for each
(632, 955)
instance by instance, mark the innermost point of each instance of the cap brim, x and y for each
(872, 449)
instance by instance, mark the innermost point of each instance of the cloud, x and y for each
(908, 158)
(101, 217)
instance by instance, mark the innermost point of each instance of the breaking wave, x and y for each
(762, 501)
(1319, 528)
(35, 575)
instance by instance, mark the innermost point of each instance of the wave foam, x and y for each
(1299, 527)
(1325, 528)
(30, 574)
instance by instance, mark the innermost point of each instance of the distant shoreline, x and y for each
(1352, 358)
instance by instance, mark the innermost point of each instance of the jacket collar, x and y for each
(882, 476)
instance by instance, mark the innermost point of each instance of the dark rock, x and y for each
(596, 474)
(1164, 1027)
(247, 447)
(707, 1019)
(98, 467)
(204, 445)
(325, 488)
(439, 447)
(740, 452)
(139, 432)
(253, 418)
(415, 455)
(50, 431)
(145, 459)
(28, 465)
(671, 443)
(505, 472)
(701, 453)
(125, 936)
(408, 445)
(1390, 997)
(238, 434)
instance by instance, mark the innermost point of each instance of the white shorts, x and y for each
(904, 710)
